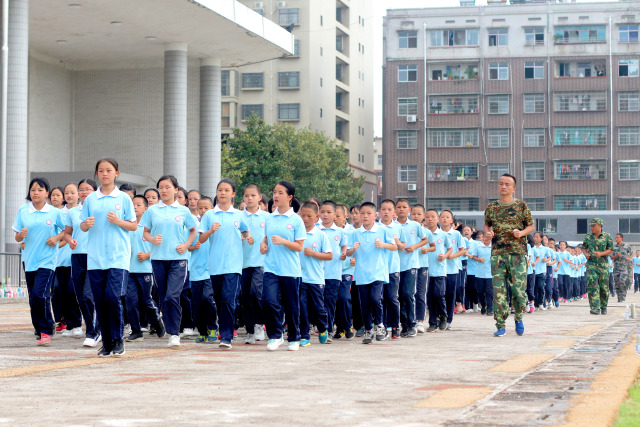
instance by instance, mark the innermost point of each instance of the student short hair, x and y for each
(264, 200)
(552, 239)
(539, 233)
(315, 200)
(621, 236)
(329, 203)
(91, 182)
(42, 182)
(477, 233)
(355, 207)
(153, 190)
(418, 205)
(515, 181)
(563, 241)
(61, 190)
(172, 179)
(343, 208)
(109, 160)
(310, 205)
(127, 187)
(450, 213)
(369, 205)
(193, 191)
(383, 202)
(250, 186)
(206, 199)
(141, 197)
(227, 181)
(403, 200)
(433, 210)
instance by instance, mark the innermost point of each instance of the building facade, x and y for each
(546, 92)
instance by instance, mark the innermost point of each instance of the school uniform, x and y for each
(282, 275)
(371, 271)
(556, 287)
(575, 286)
(548, 287)
(253, 270)
(483, 277)
(79, 279)
(205, 312)
(611, 287)
(108, 259)
(461, 295)
(170, 269)
(422, 280)
(70, 309)
(391, 289)
(636, 274)
(470, 292)
(39, 260)
(313, 284)
(453, 272)
(530, 275)
(437, 288)
(333, 271)
(225, 262)
(348, 303)
(563, 275)
(187, 319)
(409, 264)
(582, 259)
(540, 269)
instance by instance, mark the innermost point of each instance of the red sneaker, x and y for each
(44, 339)
(61, 326)
(235, 333)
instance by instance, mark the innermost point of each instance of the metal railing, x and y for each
(11, 270)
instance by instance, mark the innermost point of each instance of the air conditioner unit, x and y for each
(281, 4)
(411, 187)
(411, 119)
(259, 5)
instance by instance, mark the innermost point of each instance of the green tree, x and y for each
(316, 164)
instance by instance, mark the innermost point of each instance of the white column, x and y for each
(175, 111)
(210, 125)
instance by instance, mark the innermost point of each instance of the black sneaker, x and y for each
(118, 348)
(394, 334)
(338, 335)
(367, 337)
(432, 328)
(381, 333)
(103, 352)
(152, 331)
(403, 334)
(160, 329)
(412, 332)
(594, 311)
(443, 323)
(135, 336)
(349, 333)
(483, 310)
(603, 310)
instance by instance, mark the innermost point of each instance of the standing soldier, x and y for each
(596, 247)
(621, 254)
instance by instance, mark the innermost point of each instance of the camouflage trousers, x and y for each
(597, 286)
(620, 279)
(510, 269)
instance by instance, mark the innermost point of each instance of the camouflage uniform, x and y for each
(621, 269)
(508, 257)
(597, 269)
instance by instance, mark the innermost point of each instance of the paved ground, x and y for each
(569, 364)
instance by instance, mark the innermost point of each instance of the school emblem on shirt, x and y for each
(413, 231)
(118, 206)
(262, 225)
(49, 222)
(395, 236)
(439, 241)
(178, 218)
(314, 244)
(236, 223)
(377, 239)
(336, 238)
(453, 241)
(289, 226)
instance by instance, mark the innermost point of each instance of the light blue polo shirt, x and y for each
(64, 253)
(41, 224)
(279, 259)
(439, 268)
(466, 245)
(573, 272)
(347, 269)
(251, 256)
(610, 266)
(371, 263)
(138, 244)
(73, 221)
(530, 258)
(393, 258)
(564, 258)
(313, 269)
(539, 252)
(225, 250)
(472, 265)
(199, 261)
(582, 260)
(636, 265)
(455, 238)
(414, 233)
(172, 223)
(423, 259)
(483, 270)
(554, 266)
(337, 239)
(108, 245)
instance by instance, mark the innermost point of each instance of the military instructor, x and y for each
(597, 246)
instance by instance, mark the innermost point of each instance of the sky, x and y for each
(379, 10)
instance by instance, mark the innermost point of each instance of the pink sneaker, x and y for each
(533, 308)
(44, 339)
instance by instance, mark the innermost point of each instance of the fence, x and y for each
(11, 270)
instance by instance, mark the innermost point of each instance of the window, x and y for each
(407, 39)
(471, 222)
(407, 173)
(628, 225)
(629, 203)
(455, 204)
(453, 71)
(498, 36)
(288, 16)
(496, 170)
(498, 138)
(225, 115)
(339, 14)
(595, 68)
(225, 82)
(498, 104)
(289, 79)
(587, 202)
(533, 171)
(407, 106)
(321, 21)
(339, 100)
(547, 225)
(453, 104)
(628, 171)
(379, 159)
(407, 73)
(339, 129)
(534, 103)
(498, 71)
(252, 80)
(296, 48)
(407, 139)
(534, 36)
(460, 37)
(453, 138)
(629, 135)
(288, 111)
(580, 101)
(339, 43)
(580, 136)
(628, 101)
(459, 172)
(534, 70)
(628, 68)
(581, 226)
(628, 33)
(249, 110)
(579, 169)
(534, 137)
(535, 203)
(580, 34)
(340, 71)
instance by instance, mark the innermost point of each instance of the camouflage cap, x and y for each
(596, 221)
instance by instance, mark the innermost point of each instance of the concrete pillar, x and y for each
(210, 125)
(17, 110)
(175, 111)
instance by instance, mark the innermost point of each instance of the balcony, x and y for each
(579, 101)
(580, 34)
(579, 169)
(459, 172)
(574, 69)
(454, 71)
(453, 104)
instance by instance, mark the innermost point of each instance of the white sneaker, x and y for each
(258, 332)
(250, 339)
(67, 333)
(476, 307)
(187, 333)
(77, 332)
(127, 330)
(274, 344)
(527, 308)
(543, 308)
(294, 346)
(92, 342)
(144, 329)
(420, 328)
(174, 341)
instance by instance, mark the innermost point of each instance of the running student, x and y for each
(481, 254)
(38, 225)
(224, 226)
(422, 278)
(164, 227)
(316, 253)
(253, 265)
(436, 289)
(343, 303)
(192, 203)
(77, 240)
(454, 265)
(539, 269)
(108, 217)
(369, 243)
(284, 239)
(356, 313)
